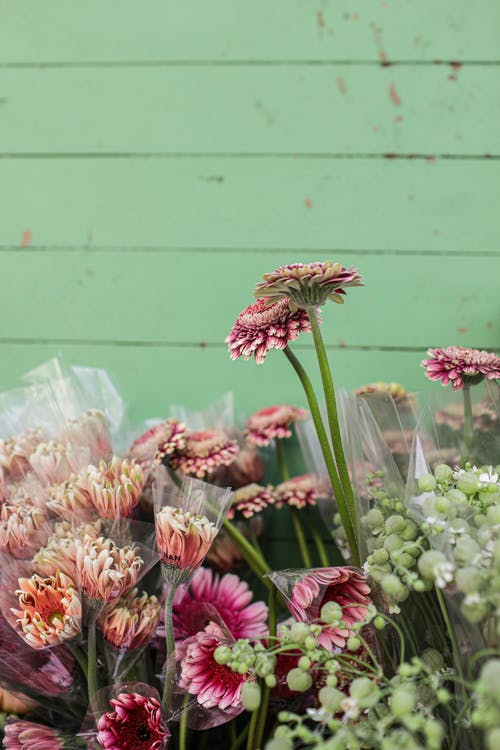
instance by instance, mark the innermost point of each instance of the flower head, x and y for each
(204, 452)
(308, 284)
(297, 492)
(23, 528)
(458, 365)
(59, 552)
(28, 735)
(90, 429)
(183, 539)
(15, 451)
(263, 326)
(114, 487)
(134, 724)
(215, 685)
(250, 500)
(247, 468)
(272, 422)
(54, 462)
(50, 610)
(105, 570)
(159, 441)
(226, 597)
(131, 621)
(70, 501)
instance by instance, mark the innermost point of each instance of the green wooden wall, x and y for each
(156, 157)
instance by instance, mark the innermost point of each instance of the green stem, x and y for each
(252, 730)
(332, 412)
(317, 538)
(92, 655)
(280, 453)
(297, 524)
(240, 739)
(183, 725)
(81, 659)
(266, 693)
(255, 561)
(168, 686)
(327, 454)
(467, 449)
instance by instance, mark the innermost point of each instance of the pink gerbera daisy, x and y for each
(158, 442)
(134, 724)
(297, 492)
(227, 598)
(459, 366)
(272, 422)
(215, 685)
(204, 452)
(28, 735)
(307, 285)
(250, 500)
(263, 326)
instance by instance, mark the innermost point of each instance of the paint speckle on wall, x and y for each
(395, 98)
(26, 238)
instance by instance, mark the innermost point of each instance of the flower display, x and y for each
(59, 552)
(308, 284)
(28, 735)
(183, 538)
(250, 500)
(214, 685)
(458, 365)
(105, 570)
(130, 622)
(204, 452)
(262, 326)
(89, 429)
(135, 723)
(23, 528)
(226, 597)
(298, 492)
(50, 610)
(272, 423)
(114, 487)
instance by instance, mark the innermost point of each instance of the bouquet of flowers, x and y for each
(140, 610)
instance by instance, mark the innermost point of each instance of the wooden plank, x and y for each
(194, 297)
(152, 378)
(320, 204)
(225, 30)
(281, 110)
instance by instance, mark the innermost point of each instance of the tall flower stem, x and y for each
(294, 513)
(317, 538)
(168, 686)
(254, 560)
(467, 449)
(327, 454)
(92, 655)
(264, 704)
(332, 412)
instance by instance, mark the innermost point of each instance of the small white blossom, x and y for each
(350, 708)
(443, 573)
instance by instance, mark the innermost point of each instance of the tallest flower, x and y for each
(308, 285)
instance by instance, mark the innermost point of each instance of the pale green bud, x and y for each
(468, 579)
(331, 699)
(298, 680)
(299, 632)
(331, 612)
(403, 701)
(394, 588)
(427, 483)
(250, 696)
(433, 659)
(223, 655)
(428, 561)
(279, 743)
(457, 497)
(466, 549)
(395, 524)
(304, 663)
(353, 643)
(365, 691)
(393, 542)
(410, 531)
(467, 483)
(374, 518)
(270, 680)
(443, 473)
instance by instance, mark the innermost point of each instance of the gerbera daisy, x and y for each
(131, 621)
(272, 422)
(204, 452)
(23, 528)
(28, 735)
(250, 500)
(183, 539)
(226, 597)
(459, 366)
(134, 724)
(114, 487)
(159, 441)
(263, 326)
(297, 492)
(308, 284)
(105, 570)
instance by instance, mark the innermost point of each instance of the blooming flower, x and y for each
(54, 462)
(263, 326)
(131, 621)
(215, 685)
(89, 429)
(50, 610)
(272, 422)
(28, 735)
(159, 441)
(114, 487)
(15, 451)
(134, 724)
(183, 538)
(345, 586)
(59, 552)
(458, 365)
(203, 452)
(105, 570)
(250, 500)
(297, 492)
(308, 284)
(22, 529)
(70, 501)
(226, 597)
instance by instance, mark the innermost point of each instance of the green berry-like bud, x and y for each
(395, 524)
(270, 680)
(304, 663)
(434, 732)
(427, 563)
(379, 622)
(394, 588)
(299, 632)
(393, 542)
(493, 514)
(374, 518)
(467, 483)
(443, 473)
(443, 696)
(457, 497)
(410, 531)
(433, 659)
(223, 654)
(489, 679)
(466, 549)
(298, 680)
(442, 504)
(427, 483)
(250, 696)
(353, 643)
(365, 691)
(380, 556)
(468, 579)
(332, 680)
(331, 699)
(310, 642)
(403, 701)
(279, 743)
(331, 612)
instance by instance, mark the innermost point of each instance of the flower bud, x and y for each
(353, 643)
(403, 701)
(223, 654)
(304, 663)
(394, 588)
(379, 622)
(298, 680)
(393, 542)
(279, 743)
(427, 483)
(374, 518)
(410, 531)
(493, 514)
(443, 473)
(331, 699)
(331, 612)
(433, 730)
(468, 483)
(394, 524)
(466, 549)
(456, 496)
(270, 680)
(474, 611)
(433, 659)
(250, 696)
(310, 643)
(427, 562)
(364, 691)
(299, 632)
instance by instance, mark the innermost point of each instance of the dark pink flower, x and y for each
(28, 735)
(346, 586)
(263, 326)
(211, 596)
(297, 492)
(308, 284)
(456, 365)
(158, 442)
(215, 685)
(204, 452)
(250, 500)
(273, 422)
(134, 724)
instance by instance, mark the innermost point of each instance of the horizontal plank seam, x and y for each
(244, 250)
(373, 62)
(103, 155)
(207, 345)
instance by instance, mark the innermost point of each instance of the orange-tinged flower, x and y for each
(114, 487)
(105, 570)
(204, 452)
(183, 538)
(15, 451)
(15, 703)
(50, 610)
(22, 529)
(131, 621)
(60, 551)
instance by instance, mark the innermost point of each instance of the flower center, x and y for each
(143, 732)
